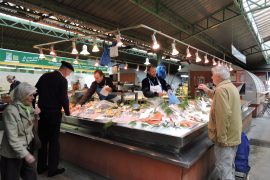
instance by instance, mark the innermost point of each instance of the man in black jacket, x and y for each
(53, 96)
(153, 86)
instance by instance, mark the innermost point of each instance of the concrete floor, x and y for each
(258, 134)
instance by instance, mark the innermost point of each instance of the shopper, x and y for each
(19, 117)
(153, 86)
(102, 85)
(52, 91)
(13, 82)
(225, 124)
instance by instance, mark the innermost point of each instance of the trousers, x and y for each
(13, 169)
(48, 131)
(224, 164)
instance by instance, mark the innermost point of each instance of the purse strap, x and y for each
(22, 125)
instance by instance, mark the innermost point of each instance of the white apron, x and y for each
(155, 88)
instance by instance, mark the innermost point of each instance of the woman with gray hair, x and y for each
(225, 122)
(19, 119)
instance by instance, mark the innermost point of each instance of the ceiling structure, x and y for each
(209, 25)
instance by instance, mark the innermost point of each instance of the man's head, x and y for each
(66, 68)
(98, 75)
(151, 70)
(10, 78)
(219, 74)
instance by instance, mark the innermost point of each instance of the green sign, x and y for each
(26, 59)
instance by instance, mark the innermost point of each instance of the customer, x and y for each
(13, 82)
(102, 85)
(153, 86)
(16, 159)
(52, 91)
(225, 124)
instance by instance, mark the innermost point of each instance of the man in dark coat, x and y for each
(152, 85)
(53, 96)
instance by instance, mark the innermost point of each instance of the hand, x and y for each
(107, 88)
(161, 94)
(37, 110)
(203, 87)
(29, 158)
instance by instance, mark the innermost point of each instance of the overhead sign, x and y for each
(26, 59)
(236, 53)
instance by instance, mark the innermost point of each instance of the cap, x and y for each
(67, 65)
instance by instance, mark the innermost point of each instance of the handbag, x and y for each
(35, 144)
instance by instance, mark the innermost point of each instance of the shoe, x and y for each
(58, 171)
(42, 170)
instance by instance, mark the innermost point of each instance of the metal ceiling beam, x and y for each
(215, 19)
(170, 17)
(253, 50)
(239, 4)
(258, 7)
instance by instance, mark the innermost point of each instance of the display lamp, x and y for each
(118, 39)
(52, 52)
(174, 50)
(54, 59)
(198, 59)
(74, 50)
(126, 66)
(41, 55)
(179, 68)
(138, 68)
(214, 62)
(96, 64)
(219, 63)
(147, 61)
(231, 69)
(76, 60)
(95, 48)
(155, 43)
(206, 61)
(84, 50)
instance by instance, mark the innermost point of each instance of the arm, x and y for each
(11, 128)
(110, 84)
(222, 114)
(64, 97)
(164, 84)
(208, 91)
(146, 89)
(88, 94)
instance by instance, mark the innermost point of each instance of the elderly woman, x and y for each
(19, 118)
(225, 122)
(13, 82)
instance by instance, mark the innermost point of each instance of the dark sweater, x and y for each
(146, 86)
(13, 85)
(52, 92)
(89, 93)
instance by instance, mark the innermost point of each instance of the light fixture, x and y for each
(174, 50)
(74, 50)
(84, 50)
(96, 64)
(222, 64)
(147, 61)
(54, 59)
(126, 66)
(145, 70)
(179, 68)
(219, 63)
(206, 59)
(198, 59)
(95, 47)
(231, 69)
(155, 43)
(214, 62)
(52, 52)
(138, 68)
(76, 60)
(188, 53)
(118, 39)
(41, 55)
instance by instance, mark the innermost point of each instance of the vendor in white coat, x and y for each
(153, 86)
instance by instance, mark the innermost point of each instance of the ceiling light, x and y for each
(155, 43)
(138, 68)
(118, 39)
(231, 69)
(76, 60)
(179, 68)
(52, 52)
(219, 63)
(206, 59)
(147, 61)
(74, 50)
(198, 59)
(174, 50)
(95, 47)
(96, 64)
(188, 53)
(54, 59)
(145, 70)
(41, 55)
(84, 50)
(214, 62)
(126, 66)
